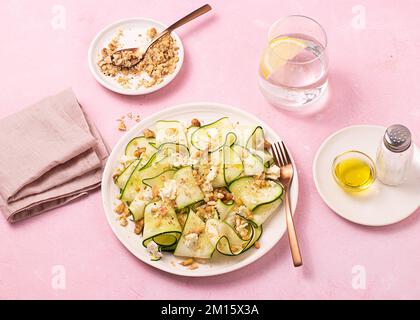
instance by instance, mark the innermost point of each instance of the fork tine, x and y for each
(274, 155)
(276, 159)
(286, 153)
(278, 154)
(283, 157)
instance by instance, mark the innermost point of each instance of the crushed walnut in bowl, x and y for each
(120, 71)
(159, 61)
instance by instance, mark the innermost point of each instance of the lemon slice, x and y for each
(278, 52)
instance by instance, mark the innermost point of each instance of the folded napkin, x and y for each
(50, 154)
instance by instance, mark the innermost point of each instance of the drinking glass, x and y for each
(293, 71)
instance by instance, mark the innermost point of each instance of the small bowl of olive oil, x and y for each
(354, 171)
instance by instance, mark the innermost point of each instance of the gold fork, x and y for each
(136, 52)
(282, 158)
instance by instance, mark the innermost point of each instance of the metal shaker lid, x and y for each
(397, 138)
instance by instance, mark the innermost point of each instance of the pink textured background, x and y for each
(374, 80)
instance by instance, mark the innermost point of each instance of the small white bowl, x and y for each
(132, 29)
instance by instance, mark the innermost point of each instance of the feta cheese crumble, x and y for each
(212, 174)
(169, 190)
(273, 172)
(207, 186)
(212, 232)
(153, 249)
(147, 194)
(178, 160)
(191, 240)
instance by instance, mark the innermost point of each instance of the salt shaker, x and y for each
(394, 156)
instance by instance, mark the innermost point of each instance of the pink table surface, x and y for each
(374, 80)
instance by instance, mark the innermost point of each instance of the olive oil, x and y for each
(354, 174)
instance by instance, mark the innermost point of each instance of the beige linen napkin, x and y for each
(50, 154)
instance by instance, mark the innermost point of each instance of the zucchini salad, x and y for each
(194, 191)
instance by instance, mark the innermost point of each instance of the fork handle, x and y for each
(293, 241)
(191, 16)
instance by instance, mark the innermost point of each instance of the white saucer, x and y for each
(135, 31)
(380, 205)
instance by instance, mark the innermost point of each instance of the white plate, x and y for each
(132, 28)
(380, 205)
(274, 227)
